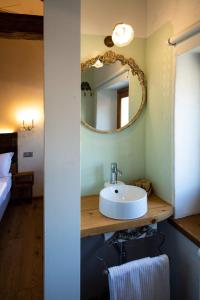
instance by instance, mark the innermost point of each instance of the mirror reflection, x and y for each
(110, 96)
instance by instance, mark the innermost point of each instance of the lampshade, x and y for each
(122, 35)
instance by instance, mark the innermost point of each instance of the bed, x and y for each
(8, 143)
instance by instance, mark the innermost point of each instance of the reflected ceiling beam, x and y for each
(17, 26)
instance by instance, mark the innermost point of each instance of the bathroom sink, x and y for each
(124, 202)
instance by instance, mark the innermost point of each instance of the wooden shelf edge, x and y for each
(91, 215)
(185, 231)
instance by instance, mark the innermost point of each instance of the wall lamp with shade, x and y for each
(98, 64)
(27, 126)
(122, 35)
(85, 87)
(27, 119)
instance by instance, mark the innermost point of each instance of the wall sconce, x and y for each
(98, 64)
(122, 35)
(27, 126)
(26, 118)
(85, 87)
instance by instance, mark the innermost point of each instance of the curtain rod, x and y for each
(189, 32)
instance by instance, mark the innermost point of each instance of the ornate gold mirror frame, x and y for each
(111, 57)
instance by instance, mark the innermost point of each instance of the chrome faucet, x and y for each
(114, 173)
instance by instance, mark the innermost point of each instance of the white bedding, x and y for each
(5, 186)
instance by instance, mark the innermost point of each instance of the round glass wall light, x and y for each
(122, 34)
(98, 64)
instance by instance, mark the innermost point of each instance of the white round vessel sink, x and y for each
(124, 202)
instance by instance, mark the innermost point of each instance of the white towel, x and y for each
(142, 279)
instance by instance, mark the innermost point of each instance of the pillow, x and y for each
(5, 163)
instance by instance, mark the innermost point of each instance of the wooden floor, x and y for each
(21, 252)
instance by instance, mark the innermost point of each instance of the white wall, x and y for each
(103, 75)
(21, 88)
(62, 149)
(106, 109)
(187, 135)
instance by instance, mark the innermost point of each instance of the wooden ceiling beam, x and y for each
(18, 26)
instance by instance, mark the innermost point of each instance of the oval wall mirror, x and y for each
(113, 92)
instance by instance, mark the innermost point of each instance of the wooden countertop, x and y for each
(94, 223)
(189, 226)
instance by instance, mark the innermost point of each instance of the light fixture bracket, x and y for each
(108, 41)
(27, 127)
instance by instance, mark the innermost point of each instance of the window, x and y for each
(122, 107)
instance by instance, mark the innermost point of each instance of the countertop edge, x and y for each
(162, 212)
(184, 230)
(106, 229)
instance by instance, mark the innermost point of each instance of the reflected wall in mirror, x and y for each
(113, 92)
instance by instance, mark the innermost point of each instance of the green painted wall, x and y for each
(126, 148)
(159, 112)
(145, 149)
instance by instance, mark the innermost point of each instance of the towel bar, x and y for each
(120, 238)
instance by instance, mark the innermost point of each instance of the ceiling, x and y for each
(29, 7)
(98, 17)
